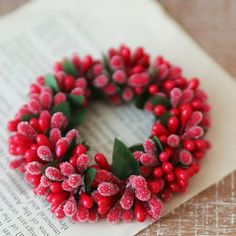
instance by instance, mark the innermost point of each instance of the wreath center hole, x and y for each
(104, 122)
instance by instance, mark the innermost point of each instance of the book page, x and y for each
(33, 37)
(22, 58)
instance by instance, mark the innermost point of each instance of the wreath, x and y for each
(54, 159)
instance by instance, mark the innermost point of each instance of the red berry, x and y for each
(170, 177)
(196, 104)
(167, 167)
(61, 147)
(44, 120)
(173, 140)
(155, 208)
(164, 156)
(35, 124)
(185, 115)
(199, 154)
(55, 187)
(53, 174)
(12, 125)
(183, 183)
(45, 153)
(86, 200)
(26, 129)
(189, 145)
(31, 155)
(193, 84)
(127, 199)
(153, 89)
(159, 110)
(168, 85)
(175, 112)
(73, 161)
(82, 162)
(185, 157)
(140, 212)
(119, 76)
(166, 195)
(86, 62)
(163, 139)
(42, 140)
(173, 124)
(181, 173)
(158, 129)
(49, 197)
(174, 187)
(103, 210)
(157, 172)
(155, 186)
(145, 170)
(80, 149)
(201, 144)
(108, 189)
(69, 82)
(101, 160)
(58, 198)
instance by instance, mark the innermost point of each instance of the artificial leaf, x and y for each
(78, 117)
(77, 100)
(63, 107)
(160, 100)
(158, 143)
(123, 162)
(142, 99)
(88, 178)
(136, 147)
(106, 64)
(64, 158)
(69, 67)
(164, 118)
(51, 82)
(27, 117)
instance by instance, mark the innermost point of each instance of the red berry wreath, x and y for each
(55, 161)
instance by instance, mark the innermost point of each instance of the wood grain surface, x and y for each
(212, 24)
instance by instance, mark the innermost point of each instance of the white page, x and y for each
(34, 36)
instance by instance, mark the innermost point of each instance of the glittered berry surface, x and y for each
(56, 161)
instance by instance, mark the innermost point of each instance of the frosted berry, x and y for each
(108, 189)
(53, 173)
(127, 199)
(82, 162)
(45, 153)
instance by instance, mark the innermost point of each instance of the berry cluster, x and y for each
(53, 158)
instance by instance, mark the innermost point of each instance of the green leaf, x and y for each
(142, 99)
(27, 117)
(77, 100)
(78, 117)
(63, 107)
(66, 157)
(88, 179)
(69, 67)
(106, 63)
(158, 143)
(164, 118)
(51, 82)
(123, 162)
(136, 147)
(159, 100)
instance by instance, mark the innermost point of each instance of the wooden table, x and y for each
(212, 24)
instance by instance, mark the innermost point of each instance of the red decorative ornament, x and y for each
(48, 151)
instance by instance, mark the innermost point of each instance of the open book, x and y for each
(43, 31)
